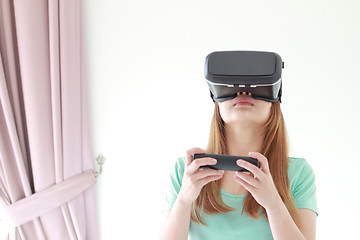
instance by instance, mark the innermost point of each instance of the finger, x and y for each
(264, 163)
(190, 153)
(208, 179)
(246, 185)
(249, 179)
(194, 166)
(251, 168)
(206, 173)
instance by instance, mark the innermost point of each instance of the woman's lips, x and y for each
(243, 101)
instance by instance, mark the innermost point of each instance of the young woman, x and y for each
(275, 201)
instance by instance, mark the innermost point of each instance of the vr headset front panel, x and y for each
(244, 71)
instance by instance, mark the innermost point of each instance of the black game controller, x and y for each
(227, 162)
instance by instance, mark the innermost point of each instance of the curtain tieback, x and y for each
(46, 200)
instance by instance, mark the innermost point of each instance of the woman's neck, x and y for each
(242, 140)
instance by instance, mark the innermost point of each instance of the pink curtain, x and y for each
(46, 170)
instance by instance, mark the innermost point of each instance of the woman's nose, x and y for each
(246, 93)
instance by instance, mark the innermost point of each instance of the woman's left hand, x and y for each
(261, 185)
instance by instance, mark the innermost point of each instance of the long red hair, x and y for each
(275, 149)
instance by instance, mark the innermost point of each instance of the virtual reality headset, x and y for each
(230, 72)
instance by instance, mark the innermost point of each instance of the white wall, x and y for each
(150, 102)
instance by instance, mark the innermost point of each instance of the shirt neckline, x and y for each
(227, 194)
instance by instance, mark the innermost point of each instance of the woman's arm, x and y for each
(283, 227)
(309, 223)
(263, 189)
(176, 222)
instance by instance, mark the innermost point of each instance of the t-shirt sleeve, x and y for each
(303, 186)
(176, 176)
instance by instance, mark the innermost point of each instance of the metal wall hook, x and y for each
(100, 161)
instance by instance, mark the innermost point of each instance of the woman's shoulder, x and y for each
(179, 167)
(180, 162)
(302, 183)
(295, 162)
(299, 169)
(298, 164)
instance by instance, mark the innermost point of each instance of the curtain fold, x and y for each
(44, 117)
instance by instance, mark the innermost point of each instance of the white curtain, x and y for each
(46, 170)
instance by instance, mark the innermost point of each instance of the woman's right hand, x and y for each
(195, 177)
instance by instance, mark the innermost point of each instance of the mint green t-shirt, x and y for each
(238, 225)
